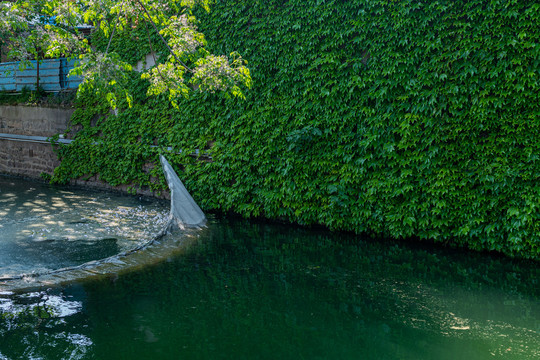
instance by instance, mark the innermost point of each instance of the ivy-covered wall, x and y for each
(409, 119)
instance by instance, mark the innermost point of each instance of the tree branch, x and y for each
(162, 39)
(154, 56)
(110, 40)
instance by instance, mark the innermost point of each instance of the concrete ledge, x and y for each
(33, 139)
(46, 140)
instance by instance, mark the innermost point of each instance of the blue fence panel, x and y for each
(53, 76)
(63, 75)
(72, 81)
(48, 75)
(7, 76)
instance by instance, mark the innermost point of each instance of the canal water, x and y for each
(246, 290)
(43, 228)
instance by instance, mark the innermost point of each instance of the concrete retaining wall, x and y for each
(25, 151)
(33, 121)
(30, 158)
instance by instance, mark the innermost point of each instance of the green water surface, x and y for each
(249, 290)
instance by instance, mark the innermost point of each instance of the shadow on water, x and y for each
(43, 228)
(246, 290)
(39, 254)
(57, 241)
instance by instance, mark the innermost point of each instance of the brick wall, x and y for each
(26, 159)
(30, 159)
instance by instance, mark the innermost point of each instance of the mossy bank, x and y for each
(394, 118)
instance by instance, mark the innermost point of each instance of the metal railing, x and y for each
(61, 140)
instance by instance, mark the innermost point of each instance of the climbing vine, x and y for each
(395, 118)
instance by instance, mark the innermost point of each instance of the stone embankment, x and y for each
(24, 149)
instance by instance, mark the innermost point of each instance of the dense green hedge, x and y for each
(396, 118)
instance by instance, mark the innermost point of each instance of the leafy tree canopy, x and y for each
(39, 29)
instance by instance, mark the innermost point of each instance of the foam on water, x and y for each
(58, 234)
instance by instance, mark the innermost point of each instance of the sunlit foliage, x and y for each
(40, 29)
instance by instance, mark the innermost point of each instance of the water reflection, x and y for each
(251, 290)
(38, 325)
